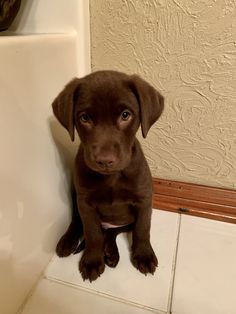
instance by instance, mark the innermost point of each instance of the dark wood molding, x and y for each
(196, 200)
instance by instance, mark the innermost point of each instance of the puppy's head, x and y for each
(106, 108)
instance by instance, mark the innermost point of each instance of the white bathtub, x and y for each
(46, 46)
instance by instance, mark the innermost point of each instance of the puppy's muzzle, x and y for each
(106, 163)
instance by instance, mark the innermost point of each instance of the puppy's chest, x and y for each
(112, 197)
(115, 205)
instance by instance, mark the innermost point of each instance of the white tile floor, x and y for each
(204, 275)
(205, 280)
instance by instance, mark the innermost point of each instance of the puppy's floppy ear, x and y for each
(151, 103)
(63, 106)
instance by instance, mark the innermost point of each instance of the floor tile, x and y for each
(55, 298)
(125, 282)
(205, 281)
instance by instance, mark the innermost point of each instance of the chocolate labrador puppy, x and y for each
(111, 177)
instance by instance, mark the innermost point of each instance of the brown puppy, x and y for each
(112, 179)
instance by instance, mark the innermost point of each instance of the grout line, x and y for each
(172, 282)
(103, 295)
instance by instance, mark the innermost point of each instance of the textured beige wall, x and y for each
(187, 49)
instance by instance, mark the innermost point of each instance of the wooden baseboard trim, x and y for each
(195, 200)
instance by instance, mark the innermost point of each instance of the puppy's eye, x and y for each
(125, 115)
(84, 117)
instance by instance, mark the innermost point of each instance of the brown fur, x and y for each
(112, 179)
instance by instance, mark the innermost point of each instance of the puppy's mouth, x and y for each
(105, 171)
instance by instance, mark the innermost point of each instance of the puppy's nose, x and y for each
(105, 161)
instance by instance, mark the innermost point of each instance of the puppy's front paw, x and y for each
(145, 260)
(91, 267)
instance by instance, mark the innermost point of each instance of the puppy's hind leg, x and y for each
(69, 241)
(111, 253)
